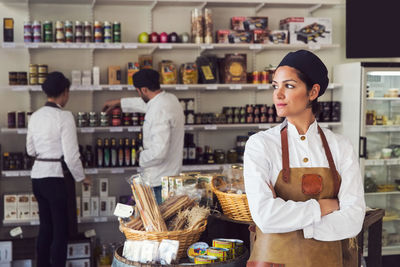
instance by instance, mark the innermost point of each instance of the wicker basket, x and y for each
(185, 237)
(234, 206)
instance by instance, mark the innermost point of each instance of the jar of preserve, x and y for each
(232, 156)
(219, 156)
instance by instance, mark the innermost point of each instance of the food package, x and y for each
(168, 73)
(222, 36)
(168, 251)
(208, 26)
(260, 36)
(197, 26)
(249, 23)
(34, 207)
(146, 61)
(23, 207)
(237, 37)
(303, 30)
(235, 68)
(207, 67)
(10, 207)
(278, 37)
(132, 250)
(114, 75)
(132, 68)
(189, 73)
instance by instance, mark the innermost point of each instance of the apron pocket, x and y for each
(311, 184)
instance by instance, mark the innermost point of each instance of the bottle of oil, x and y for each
(88, 157)
(114, 153)
(133, 152)
(107, 153)
(99, 153)
(121, 152)
(127, 153)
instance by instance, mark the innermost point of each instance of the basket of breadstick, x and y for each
(177, 218)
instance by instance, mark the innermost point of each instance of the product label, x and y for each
(212, 87)
(207, 72)
(122, 210)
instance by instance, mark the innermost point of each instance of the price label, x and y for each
(100, 219)
(131, 88)
(210, 127)
(32, 45)
(134, 129)
(314, 46)
(22, 131)
(116, 129)
(130, 46)
(117, 170)
(182, 87)
(19, 88)
(189, 128)
(116, 46)
(10, 173)
(116, 87)
(16, 231)
(59, 46)
(122, 210)
(206, 46)
(263, 87)
(91, 171)
(212, 87)
(87, 130)
(263, 126)
(96, 88)
(35, 222)
(8, 45)
(94, 46)
(75, 46)
(36, 88)
(235, 87)
(25, 173)
(165, 46)
(90, 233)
(255, 47)
(83, 45)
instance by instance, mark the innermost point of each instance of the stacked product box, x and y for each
(20, 207)
(93, 206)
(78, 254)
(305, 30)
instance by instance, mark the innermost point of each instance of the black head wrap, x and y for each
(310, 65)
(55, 84)
(147, 78)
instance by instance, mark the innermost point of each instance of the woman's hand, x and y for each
(328, 206)
(87, 181)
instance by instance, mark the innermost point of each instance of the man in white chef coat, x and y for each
(163, 128)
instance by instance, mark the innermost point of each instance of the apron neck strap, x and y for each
(285, 159)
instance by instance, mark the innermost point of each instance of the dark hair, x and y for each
(55, 84)
(309, 84)
(147, 78)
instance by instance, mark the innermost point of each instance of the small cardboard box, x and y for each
(111, 205)
(104, 210)
(10, 207)
(249, 23)
(96, 75)
(278, 37)
(260, 36)
(235, 68)
(238, 37)
(78, 250)
(34, 207)
(222, 36)
(165, 187)
(103, 187)
(86, 190)
(78, 263)
(23, 207)
(133, 67)
(305, 30)
(5, 251)
(114, 75)
(94, 206)
(85, 207)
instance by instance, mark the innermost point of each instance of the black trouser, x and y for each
(51, 194)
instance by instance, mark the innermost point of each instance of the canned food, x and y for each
(59, 25)
(33, 68)
(93, 115)
(82, 123)
(239, 247)
(223, 243)
(27, 38)
(11, 119)
(135, 119)
(222, 254)
(205, 259)
(41, 78)
(21, 119)
(116, 122)
(93, 122)
(82, 115)
(108, 39)
(33, 79)
(197, 249)
(42, 69)
(104, 122)
(22, 78)
(12, 78)
(117, 37)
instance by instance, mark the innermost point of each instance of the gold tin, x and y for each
(42, 69)
(222, 254)
(33, 79)
(205, 259)
(33, 68)
(41, 78)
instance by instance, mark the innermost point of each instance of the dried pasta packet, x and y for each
(168, 251)
(132, 250)
(149, 251)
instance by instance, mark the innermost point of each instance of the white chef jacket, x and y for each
(262, 164)
(163, 134)
(51, 135)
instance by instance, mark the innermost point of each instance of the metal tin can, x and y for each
(22, 78)
(239, 247)
(41, 78)
(92, 115)
(11, 119)
(202, 259)
(48, 31)
(12, 78)
(93, 122)
(28, 33)
(42, 69)
(104, 122)
(197, 249)
(33, 68)
(21, 123)
(82, 115)
(33, 79)
(135, 119)
(117, 32)
(117, 37)
(222, 254)
(223, 243)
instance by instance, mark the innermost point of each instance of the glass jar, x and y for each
(232, 156)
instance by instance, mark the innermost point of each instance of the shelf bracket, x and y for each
(93, 3)
(259, 7)
(203, 5)
(311, 10)
(153, 49)
(153, 6)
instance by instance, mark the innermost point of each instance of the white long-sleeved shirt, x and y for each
(51, 135)
(163, 134)
(262, 164)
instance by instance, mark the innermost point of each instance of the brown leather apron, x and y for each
(292, 249)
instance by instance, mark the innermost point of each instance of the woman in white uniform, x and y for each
(52, 140)
(303, 183)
